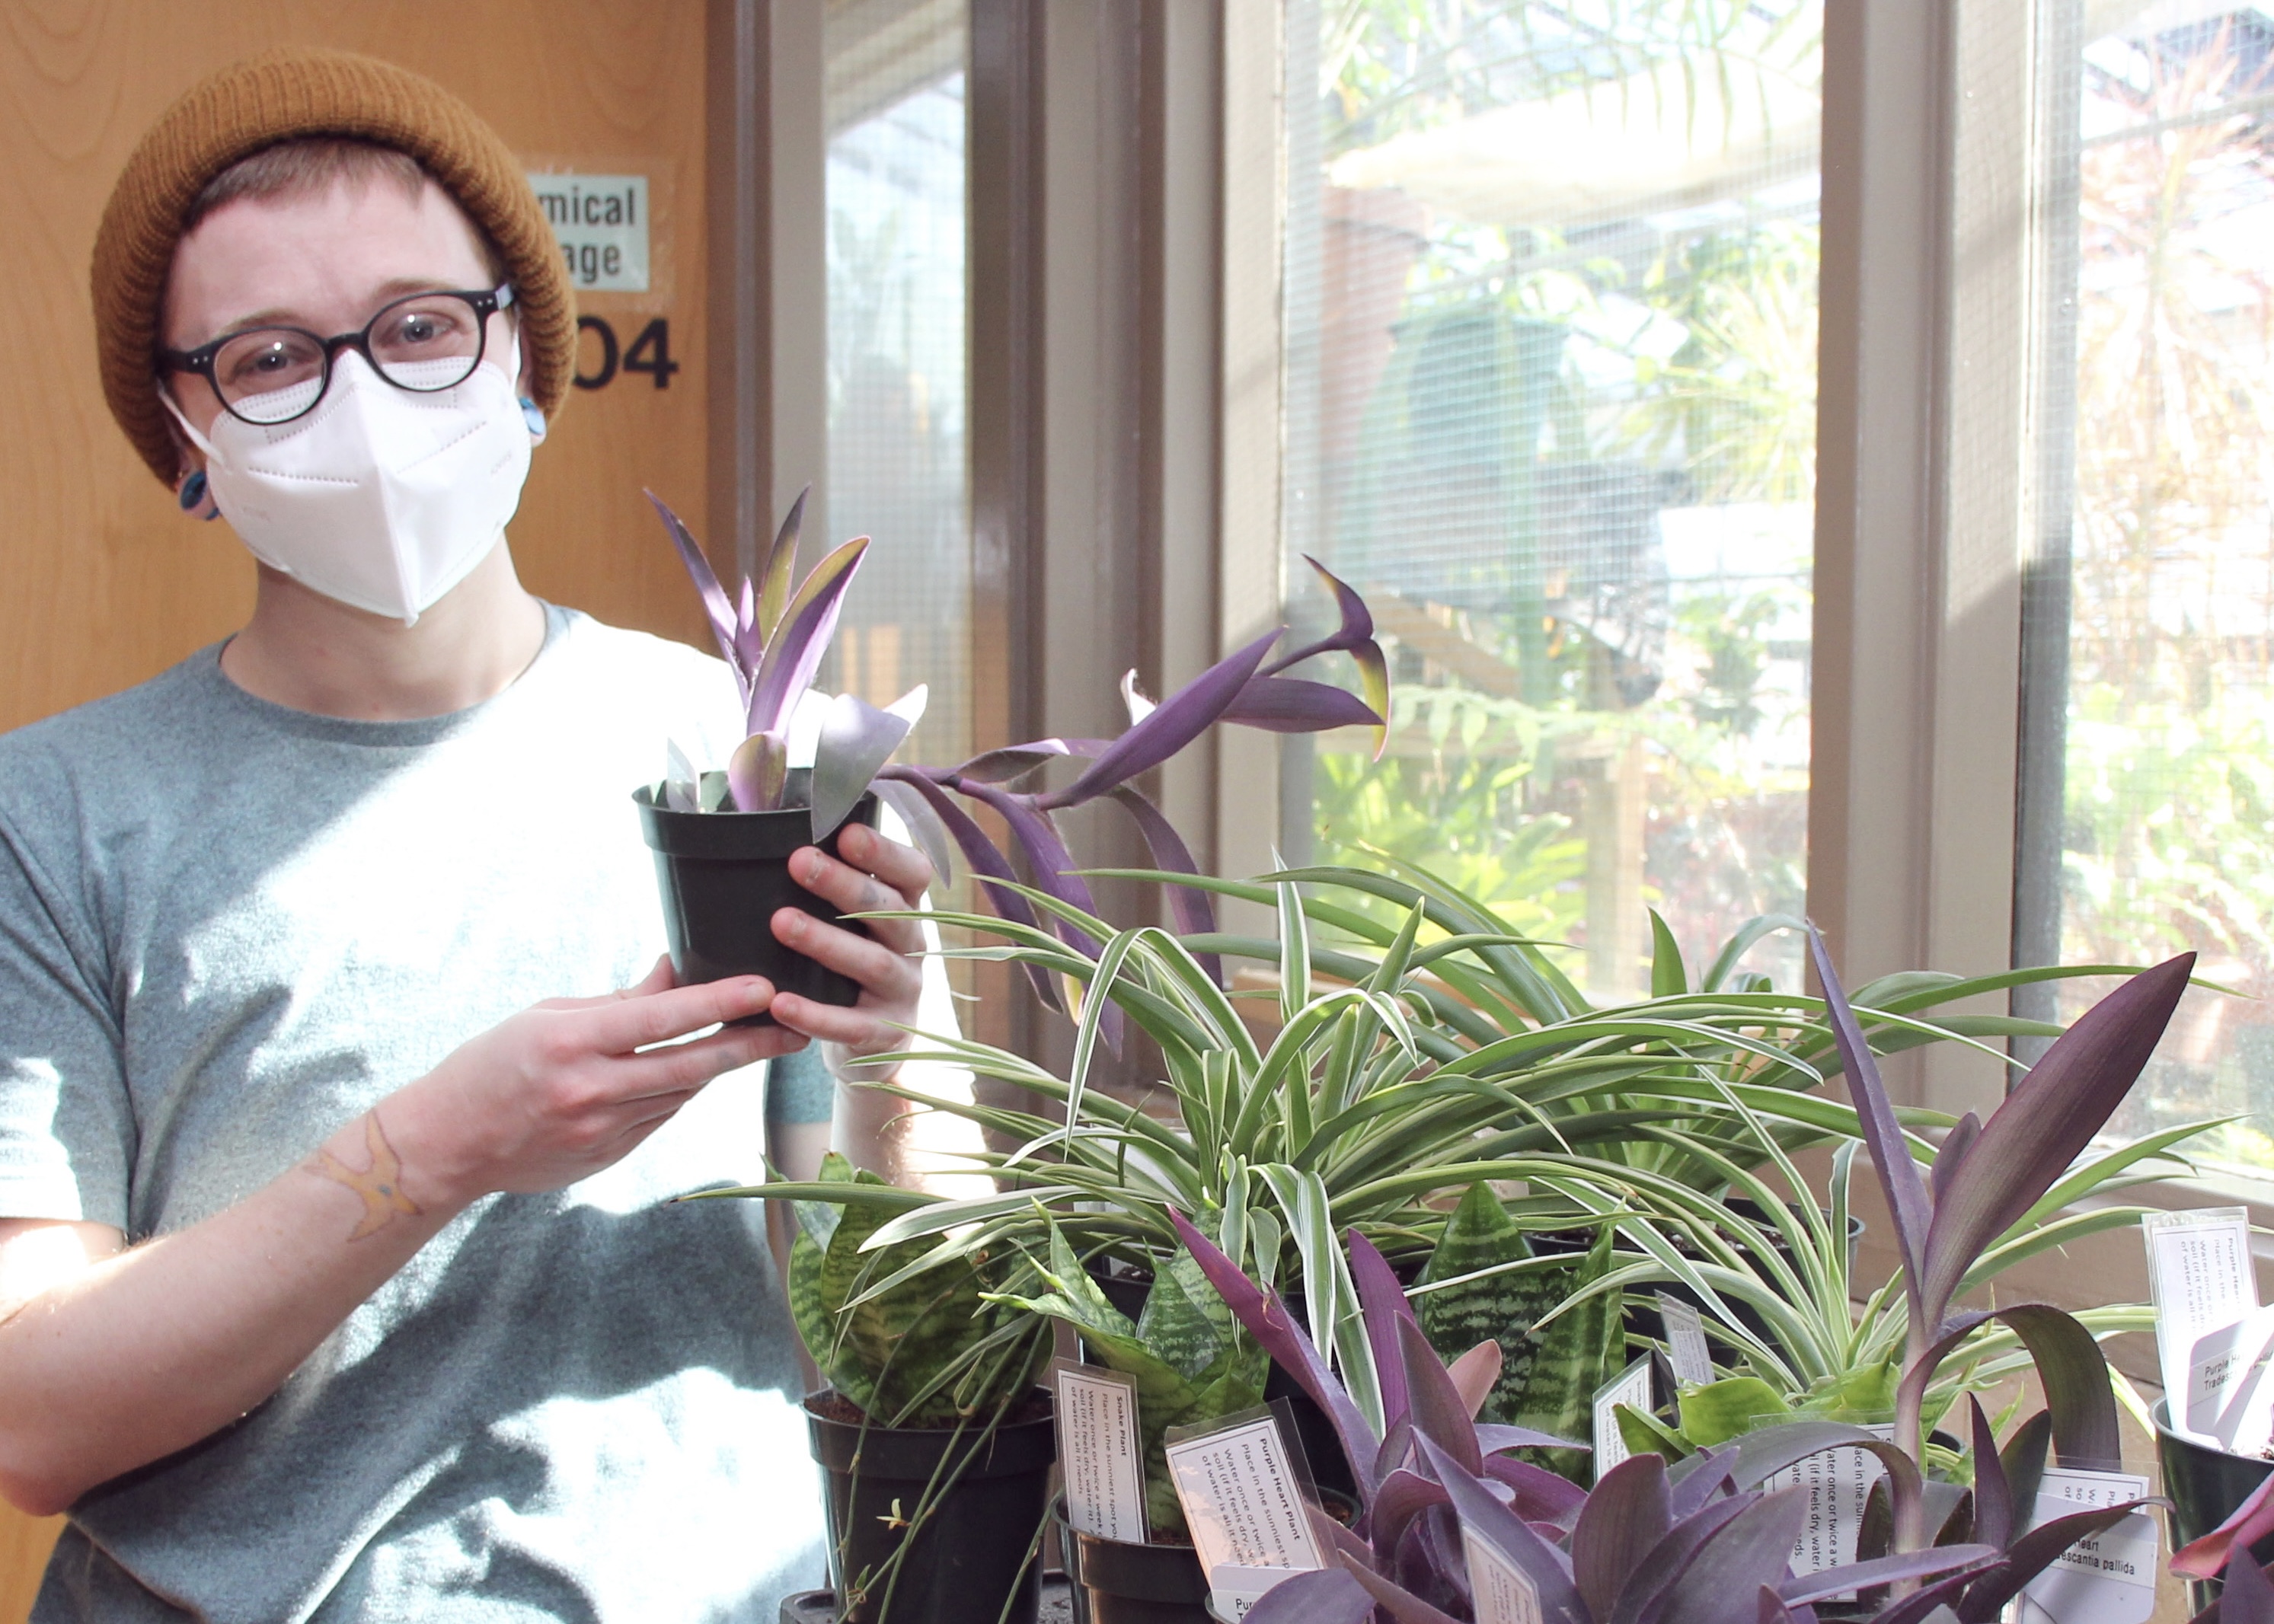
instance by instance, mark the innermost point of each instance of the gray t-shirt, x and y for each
(226, 929)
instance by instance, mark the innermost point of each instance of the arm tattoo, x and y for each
(379, 1184)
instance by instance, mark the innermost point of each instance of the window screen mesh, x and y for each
(1551, 338)
(895, 196)
(2153, 829)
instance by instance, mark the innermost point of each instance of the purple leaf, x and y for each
(1647, 1589)
(1547, 1567)
(1473, 1374)
(1708, 1472)
(2249, 1598)
(1772, 1610)
(757, 772)
(2069, 1364)
(1438, 1415)
(1354, 637)
(1628, 1514)
(1175, 722)
(1752, 1549)
(1396, 1444)
(1193, 909)
(1052, 864)
(1922, 1606)
(1762, 1453)
(749, 642)
(1403, 1496)
(801, 637)
(1267, 1321)
(1541, 1496)
(1297, 705)
(1993, 1497)
(988, 866)
(1952, 1152)
(2248, 1523)
(2052, 1115)
(1382, 1307)
(1333, 1537)
(1328, 1596)
(1886, 1570)
(1015, 761)
(780, 569)
(1491, 1435)
(2035, 1552)
(856, 740)
(924, 825)
(1429, 1559)
(1356, 627)
(714, 597)
(1875, 1114)
(1402, 1604)
(1045, 851)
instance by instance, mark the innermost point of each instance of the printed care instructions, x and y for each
(2108, 1579)
(1242, 1498)
(2200, 1275)
(1100, 1451)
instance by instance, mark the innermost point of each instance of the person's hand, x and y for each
(570, 1086)
(876, 874)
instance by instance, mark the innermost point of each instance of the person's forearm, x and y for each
(149, 1350)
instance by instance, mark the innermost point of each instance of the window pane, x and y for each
(1551, 287)
(895, 198)
(2159, 833)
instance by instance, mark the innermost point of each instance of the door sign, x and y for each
(602, 222)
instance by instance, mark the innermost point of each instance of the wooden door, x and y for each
(102, 582)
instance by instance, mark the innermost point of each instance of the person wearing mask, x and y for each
(342, 1088)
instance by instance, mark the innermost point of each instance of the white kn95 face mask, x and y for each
(380, 498)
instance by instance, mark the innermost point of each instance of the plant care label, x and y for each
(2107, 1579)
(1240, 1494)
(1234, 1589)
(1503, 1592)
(1631, 1387)
(1685, 1340)
(1100, 1451)
(601, 223)
(2230, 1393)
(2200, 1274)
(1837, 1481)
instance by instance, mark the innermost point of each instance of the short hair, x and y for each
(315, 163)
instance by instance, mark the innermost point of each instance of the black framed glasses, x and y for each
(423, 342)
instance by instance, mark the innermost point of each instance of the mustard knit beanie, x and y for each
(279, 96)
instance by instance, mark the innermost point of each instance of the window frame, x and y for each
(1937, 262)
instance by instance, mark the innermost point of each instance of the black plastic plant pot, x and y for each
(2204, 1484)
(724, 875)
(935, 1526)
(1116, 1582)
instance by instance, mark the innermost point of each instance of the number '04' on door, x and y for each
(649, 353)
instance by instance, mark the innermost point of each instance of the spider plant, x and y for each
(1368, 1104)
(1796, 1329)
(1496, 1007)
